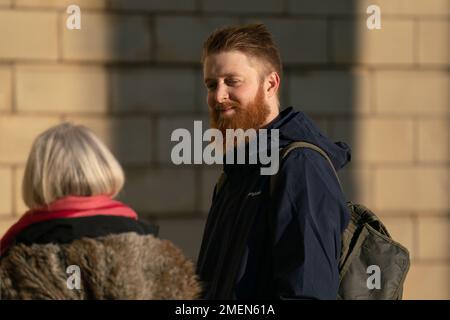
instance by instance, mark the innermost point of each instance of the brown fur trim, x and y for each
(124, 266)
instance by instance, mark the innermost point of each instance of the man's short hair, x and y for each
(254, 40)
(69, 160)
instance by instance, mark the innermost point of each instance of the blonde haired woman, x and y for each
(76, 242)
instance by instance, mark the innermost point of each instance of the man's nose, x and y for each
(221, 93)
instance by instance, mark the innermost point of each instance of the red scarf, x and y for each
(68, 207)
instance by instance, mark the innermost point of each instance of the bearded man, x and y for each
(266, 238)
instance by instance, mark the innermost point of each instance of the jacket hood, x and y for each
(297, 126)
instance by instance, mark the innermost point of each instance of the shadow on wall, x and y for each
(154, 89)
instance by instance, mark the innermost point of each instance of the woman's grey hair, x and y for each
(69, 160)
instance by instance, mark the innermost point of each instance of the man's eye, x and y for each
(232, 82)
(210, 86)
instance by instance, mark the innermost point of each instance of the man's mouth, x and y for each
(224, 111)
(226, 108)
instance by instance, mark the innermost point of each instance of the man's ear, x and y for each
(272, 84)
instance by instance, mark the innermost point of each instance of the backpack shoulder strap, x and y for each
(302, 144)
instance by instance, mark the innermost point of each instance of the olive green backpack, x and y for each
(372, 265)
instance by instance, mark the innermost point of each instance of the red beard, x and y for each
(251, 117)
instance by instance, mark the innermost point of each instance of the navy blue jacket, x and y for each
(284, 245)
